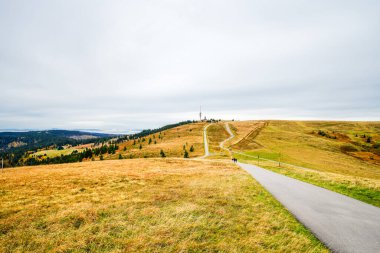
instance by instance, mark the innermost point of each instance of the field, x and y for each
(176, 204)
(55, 152)
(216, 133)
(151, 205)
(334, 166)
(173, 142)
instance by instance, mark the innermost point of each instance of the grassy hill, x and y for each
(340, 157)
(173, 142)
(176, 204)
(216, 133)
(151, 205)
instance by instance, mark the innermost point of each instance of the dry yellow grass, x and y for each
(294, 143)
(216, 133)
(170, 141)
(245, 133)
(150, 205)
(297, 146)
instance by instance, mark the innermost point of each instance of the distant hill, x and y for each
(35, 139)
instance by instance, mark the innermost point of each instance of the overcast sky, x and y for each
(140, 64)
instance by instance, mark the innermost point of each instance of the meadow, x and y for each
(144, 205)
(55, 152)
(332, 166)
(216, 133)
(172, 142)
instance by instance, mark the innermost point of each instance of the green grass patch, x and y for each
(55, 152)
(261, 154)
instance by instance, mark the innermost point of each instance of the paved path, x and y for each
(343, 224)
(207, 152)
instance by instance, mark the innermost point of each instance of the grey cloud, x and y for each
(137, 64)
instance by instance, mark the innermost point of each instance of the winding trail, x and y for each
(221, 145)
(342, 223)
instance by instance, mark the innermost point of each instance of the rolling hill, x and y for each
(340, 156)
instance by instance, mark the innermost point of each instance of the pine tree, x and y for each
(125, 148)
(101, 157)
(120, 156)
(140, 147)
(191, 148)
(186, 155)
(150, 141)
(162, 154)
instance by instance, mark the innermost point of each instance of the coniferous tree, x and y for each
(162, 154)
(191, 148)
(186, 154)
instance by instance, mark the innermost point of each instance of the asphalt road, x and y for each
(207, 152)
(343, 224)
